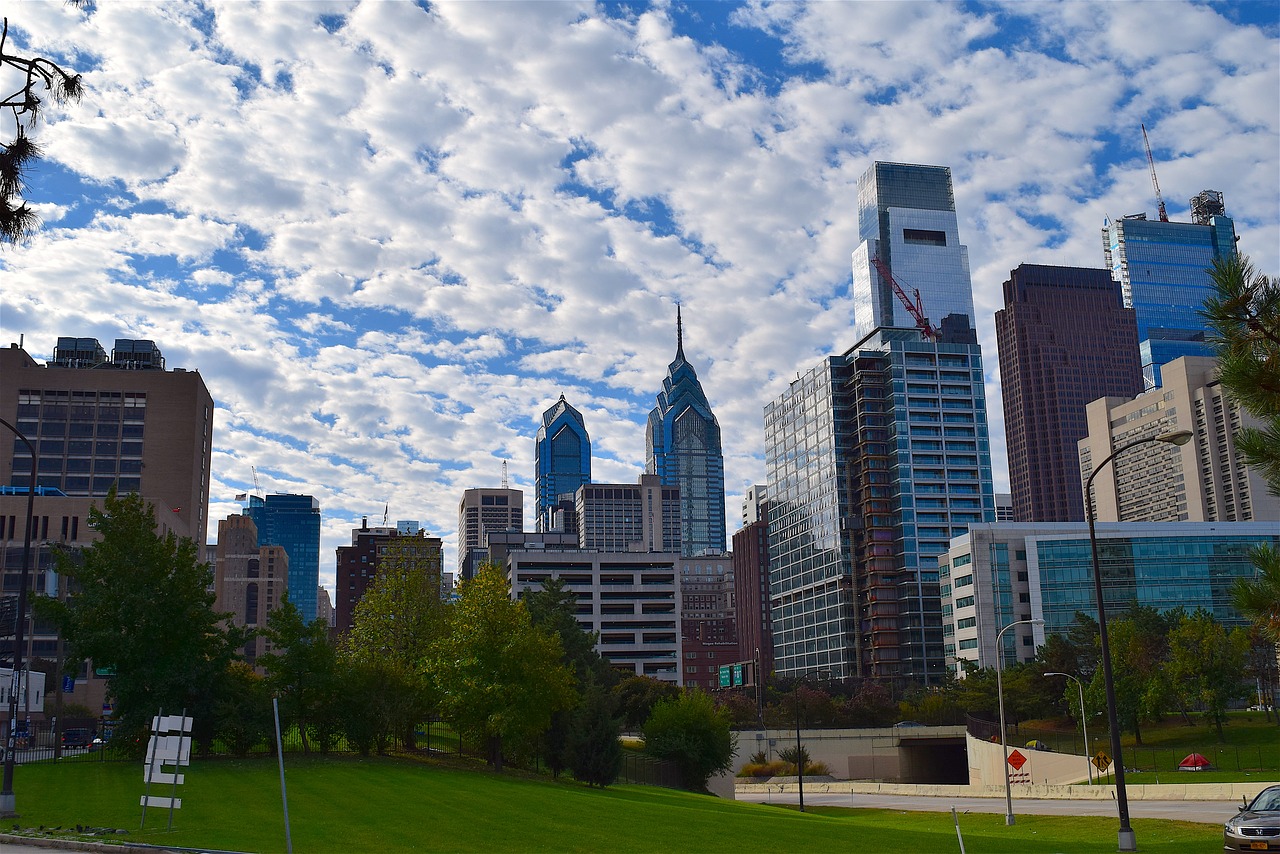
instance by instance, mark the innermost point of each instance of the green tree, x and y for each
(501, 676)
(636, 696)
(1258, 598)
(394, 626)
(38, 75)
(142, 607)
(1206, 664)
(301, 671)
(691, 731)
(593, 748)
(1139, 652)
(242, 709)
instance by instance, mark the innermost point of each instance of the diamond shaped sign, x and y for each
(1017, 760)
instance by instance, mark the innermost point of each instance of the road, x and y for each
(1207, 812)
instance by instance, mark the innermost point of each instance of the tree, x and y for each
(595, 754)
(38, 74)
(302, 672)
(394, 627)
(691, 731)
(142, 608)
(501, 676)
(1139, 651)
(1206, 664)
(1244, 314)
(636, 696)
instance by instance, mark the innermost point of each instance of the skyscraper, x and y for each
(562, 459)
(1065, 339)
(878, 456)
(249, 579)
(480, 511)
(292, 521)
(1162, 268)
(682, 447)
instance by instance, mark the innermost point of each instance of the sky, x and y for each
(389, 235)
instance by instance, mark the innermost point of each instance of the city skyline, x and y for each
(389, 238)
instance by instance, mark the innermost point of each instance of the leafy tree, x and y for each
(555, 607)
(1139, 651)
(871, 706)
(242, 709)
(142, 607)
(501, 676)
(302, 672)
(17, 156)
(398, 620)
(595, 754)
(1258, 598)
(1206, 664)
(692, 732)
(636, 696)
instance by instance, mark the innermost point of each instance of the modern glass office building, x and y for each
(1162, 268)
(682, 447)
(292, 521)
(562, 459)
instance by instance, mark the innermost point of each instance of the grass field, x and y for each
(391, 805)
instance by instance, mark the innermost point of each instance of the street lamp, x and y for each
(1084, 722)
(1004, 741)
(1127, 840)
(8, 803)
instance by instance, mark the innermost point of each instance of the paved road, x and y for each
(1208, 812)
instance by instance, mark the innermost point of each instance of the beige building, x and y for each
(1202, 481)
(249, 580)
(480, 512)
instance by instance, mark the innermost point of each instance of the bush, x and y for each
(692, 732)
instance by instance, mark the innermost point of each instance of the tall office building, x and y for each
(708, 624)
(562, 460)
(878, 456)
(1065, 339)
(292, 521)
(1201, 481)
(479, 512)
(249, 580)
(682, 447)
(359, 563)
(1162, 271)
(629, 517)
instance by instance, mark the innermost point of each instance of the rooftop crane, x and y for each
(916, 308)
(1164, 217)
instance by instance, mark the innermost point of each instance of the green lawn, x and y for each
(390, 805)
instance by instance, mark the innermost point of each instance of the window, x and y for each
(924, 237)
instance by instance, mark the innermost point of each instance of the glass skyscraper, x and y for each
(292, 521)
(682, 447)
(1162, 268)
(877, 457)
(562, 459)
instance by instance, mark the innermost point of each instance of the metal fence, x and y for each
(647, 771)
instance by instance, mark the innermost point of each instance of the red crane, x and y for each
(915, 308)
(1164, 217)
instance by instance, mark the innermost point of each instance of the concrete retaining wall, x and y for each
(1144, 792)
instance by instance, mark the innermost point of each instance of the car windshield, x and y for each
(1268, 800)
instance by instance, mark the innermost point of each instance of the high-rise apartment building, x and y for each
(249, 580)
(708, 624)
(360, 563)
(292, 521)
(682, 447)
(878, 456)
(751, 594)
(1201, 481)
(1065, 339)
(629, 517)
(562, 461)
(1162, 268)
(481, 511)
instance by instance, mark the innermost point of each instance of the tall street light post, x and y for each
(1004, 740)
(1084, 722)
(8, 803)
(1127, 840)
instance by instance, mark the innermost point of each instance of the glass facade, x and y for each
(293, 522)
(682, 447)
(1162, 268)
(562, 459)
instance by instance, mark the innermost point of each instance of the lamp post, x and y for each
(1004, 740)
(8, 803)
(1084, 722)
(1127, 840)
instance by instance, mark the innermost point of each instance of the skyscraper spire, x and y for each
(679, 334)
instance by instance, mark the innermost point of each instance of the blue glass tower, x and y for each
(1163, 271)
(292, 521)
(562, 459)
(682, 447)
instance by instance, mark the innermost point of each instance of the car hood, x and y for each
(1262, 817)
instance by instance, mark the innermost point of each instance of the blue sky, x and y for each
(389, 235)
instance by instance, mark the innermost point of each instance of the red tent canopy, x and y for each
(1193, 762)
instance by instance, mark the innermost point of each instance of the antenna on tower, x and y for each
(505, 484)
(1164, 217)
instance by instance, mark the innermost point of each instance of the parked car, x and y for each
(1257, 827)
(76, 737)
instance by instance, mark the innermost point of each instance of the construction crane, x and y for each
(1164, 217)
(257, 490)
(916, 308)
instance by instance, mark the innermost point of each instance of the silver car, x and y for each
(1257, 827)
